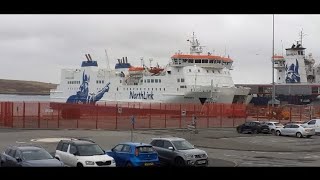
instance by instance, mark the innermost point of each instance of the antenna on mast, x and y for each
(281, 48)
(301, 34)
(107, 59)
(142, 64)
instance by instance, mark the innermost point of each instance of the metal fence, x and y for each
(113, 115)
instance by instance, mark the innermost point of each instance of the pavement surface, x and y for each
(225, 147)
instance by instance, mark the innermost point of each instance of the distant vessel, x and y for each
(297, 78)
(188, 78)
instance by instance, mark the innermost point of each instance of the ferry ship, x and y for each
(194, 77)
(297, 79)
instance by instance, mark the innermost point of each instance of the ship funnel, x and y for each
(123, 60)
(119, 61)
(87, 57)
(126, 59)
(90, 57)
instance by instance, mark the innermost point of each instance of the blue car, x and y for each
(134, 154)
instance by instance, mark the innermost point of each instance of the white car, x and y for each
(273, 125)
(82, 153)
(313, 123)
(297, 130)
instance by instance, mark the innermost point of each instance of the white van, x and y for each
(313, 123)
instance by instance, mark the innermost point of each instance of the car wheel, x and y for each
(129, 164)
(309, 136)
(239, 130)
(278, 133)
(255, 131)
(272, 131)
(79, 165)
(179, 162)
(298, 135)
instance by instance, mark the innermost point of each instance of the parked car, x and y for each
(273, 125)
(28, 156)
(313, 123)
(179, 152)
(82, 153)
(297, 130)
(134, 154)
(253, 127)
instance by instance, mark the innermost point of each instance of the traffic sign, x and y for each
(133, 119)
(119, 110)
(183, 113)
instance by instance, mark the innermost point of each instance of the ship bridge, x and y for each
(209, 61)
(201, 60)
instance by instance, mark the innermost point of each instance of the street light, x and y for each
(273, 84)
(195, 77)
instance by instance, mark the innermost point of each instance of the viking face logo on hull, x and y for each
(83, 96)
(292, 73)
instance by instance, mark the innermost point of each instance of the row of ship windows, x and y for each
(152, 81)
(148, 81)
(211, 71)
(137, 89)
(100, 81)
(73, 82)
(180, 80)
(156, 89)
(73, 88)
(78, 82)
(79, 88)
(201, 61)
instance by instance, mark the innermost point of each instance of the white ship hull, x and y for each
(155, 93)
(189, 78)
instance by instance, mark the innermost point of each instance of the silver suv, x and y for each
(179, 152)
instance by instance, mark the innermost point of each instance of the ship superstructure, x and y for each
(189, 78)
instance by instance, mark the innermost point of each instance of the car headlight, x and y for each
(89, 163)
(113, 161)
(189, 156)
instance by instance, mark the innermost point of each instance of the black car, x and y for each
(28, 156)
(253, 128)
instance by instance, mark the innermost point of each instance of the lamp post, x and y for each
(195, 77)
(273, 84)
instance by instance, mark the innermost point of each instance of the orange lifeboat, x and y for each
(155, 70)
(136, 70)
(132, 68)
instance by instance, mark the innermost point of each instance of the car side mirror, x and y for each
(112, 149)
(104, 152)
(170, 148)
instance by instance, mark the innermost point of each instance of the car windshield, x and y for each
(278, 124)
(90, 150)
(37, 154)
(145, 149)
(182, 145)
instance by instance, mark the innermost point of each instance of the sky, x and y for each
(37, 47)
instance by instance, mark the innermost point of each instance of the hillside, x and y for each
(25, 87)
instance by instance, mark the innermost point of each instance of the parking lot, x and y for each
(225, 147)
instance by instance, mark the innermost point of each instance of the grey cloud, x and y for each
(35, 47)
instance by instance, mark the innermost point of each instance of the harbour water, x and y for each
(26, 98)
